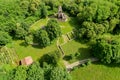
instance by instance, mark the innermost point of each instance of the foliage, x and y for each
(4, 38)
(29, 39)
(53, 29)
(107, 50)
(35, 72)
(59, 73)
(51, 58)
(96, 18)
(96, 11)
(42, 38)
(89, 30)
(18, 73)
(20, 33)
(44, 13)
(47, 70)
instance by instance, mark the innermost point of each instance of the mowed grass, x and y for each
(40, 23)
(73, 47)
(65, 26)
(34, 51)
(97, 72)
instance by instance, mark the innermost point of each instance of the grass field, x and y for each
(40, 23)
(97, 71)
(73, 47)
(65, 26)
(35, 51)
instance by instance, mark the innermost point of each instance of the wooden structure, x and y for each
(61, 15)
(26, 61)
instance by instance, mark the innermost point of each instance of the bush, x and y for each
(107, 50)
(83, 65)
(4, 38)
(77, 54)
(42, 38)
(88, 62)
(29, 39)
(52, 58)
(72, 56)
(53, 29)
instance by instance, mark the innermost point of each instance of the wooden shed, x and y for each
(26, 61)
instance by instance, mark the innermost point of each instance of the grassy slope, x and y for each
(33, 51)
(40, 23)
(96, 72)
(66, 27)
(73, 47)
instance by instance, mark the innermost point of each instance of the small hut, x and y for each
(26, 61)
(61, 15)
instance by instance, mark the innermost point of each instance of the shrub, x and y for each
(42, 38)
(53, 29)
(83, 65)
(88, 62)
(4, 38)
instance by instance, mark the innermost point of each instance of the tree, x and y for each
(59, 73)
(52, 58)
(4, 38)
(20, 33)
(107, 50)
(53, 29)
(113, 22)
(44, 11)
(89, 30)
(18, 73)
(35, 72)
(42, 38)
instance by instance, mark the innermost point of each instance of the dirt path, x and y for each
(77, 63)
(66, 63)
(65, 38)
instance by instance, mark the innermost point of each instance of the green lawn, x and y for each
(40, 23)
(72, 47)
(97, 72)
(33, 51)
(65, 26)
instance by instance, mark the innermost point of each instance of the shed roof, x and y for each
(27, 61)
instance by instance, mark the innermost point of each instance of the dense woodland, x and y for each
(93, 18)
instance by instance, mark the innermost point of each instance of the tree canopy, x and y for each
(4, 38)
(107, 50)
(42, 38)
(53, 29)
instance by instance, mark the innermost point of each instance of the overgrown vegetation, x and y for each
(91, 19)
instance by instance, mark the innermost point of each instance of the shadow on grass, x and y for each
(84, 53)
(33, 45)
(37, 46)
(67, 57)
(23, 44)
(74, 22)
